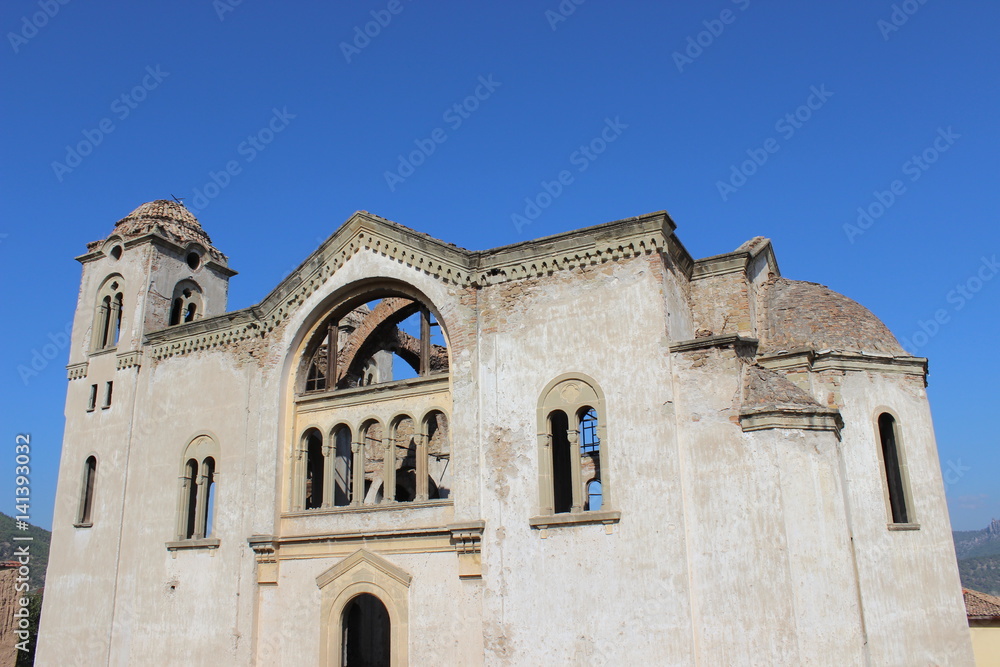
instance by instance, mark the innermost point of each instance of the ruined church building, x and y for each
(586, 449)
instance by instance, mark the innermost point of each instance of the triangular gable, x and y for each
(360, 559)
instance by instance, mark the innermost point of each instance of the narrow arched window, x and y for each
(594, 495)
(208, 504)
(562, 462)
(190, 312)
(892, 463)
(372, 450)
(437, 440)
(191, 505)
(117, 306)
(87, 492)
(400, 467)
(315, 469)
(343, 465)
(105, 323)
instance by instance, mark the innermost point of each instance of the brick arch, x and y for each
(379, 331)
(390, 310)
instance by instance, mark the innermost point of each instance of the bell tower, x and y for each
(157, 268)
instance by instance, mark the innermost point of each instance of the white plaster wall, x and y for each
(824, 590)
(740, 578)
(80, 580)
(914, 612)
(581, 595)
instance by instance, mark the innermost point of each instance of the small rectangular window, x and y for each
(107, 395)
(92, 401)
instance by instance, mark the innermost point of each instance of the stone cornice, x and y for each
(734, 262)
(791, 418)
(835, 360)
(728, 340)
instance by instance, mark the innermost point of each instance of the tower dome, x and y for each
(167, 219)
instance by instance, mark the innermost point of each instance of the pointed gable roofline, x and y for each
(366, 232)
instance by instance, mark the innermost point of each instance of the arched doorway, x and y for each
(365, 632)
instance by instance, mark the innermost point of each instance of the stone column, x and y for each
(329, 481)
(358, 471)
(421, 467)
(389, 469)
(201, 508)
(546, 497)
(575, 473)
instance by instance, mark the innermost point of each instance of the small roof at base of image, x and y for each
(980, 606)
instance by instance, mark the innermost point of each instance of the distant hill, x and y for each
(978, 553)
(973, 543)
(39, 547)
(981, 574)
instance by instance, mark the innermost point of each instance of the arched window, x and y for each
(562, 462)
(372, 450)
(108, 317)
(436, 442)
(594, 495)
(186, 305)
(190, 483)
(571, 429)
(894, 468)
(312, 445)
(366, 632)
(207, 504)
(196, 503)
(400, 478)
(360, 365)
(343, 464)
(84, 514)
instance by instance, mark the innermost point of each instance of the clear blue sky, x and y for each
(211, 75)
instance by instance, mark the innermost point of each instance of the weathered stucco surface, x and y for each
(744, 516)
